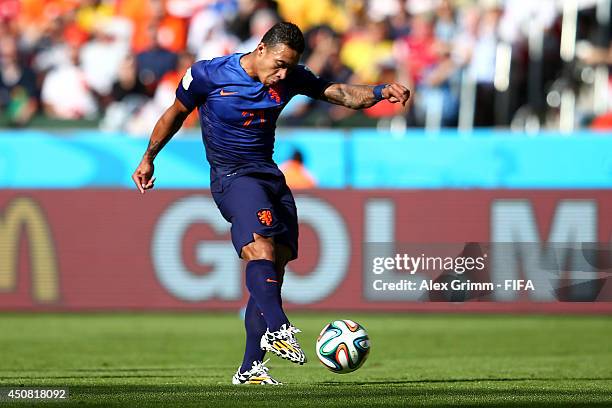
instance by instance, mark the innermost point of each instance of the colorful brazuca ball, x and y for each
(343, 346)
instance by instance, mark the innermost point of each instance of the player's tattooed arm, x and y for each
(362, 96)
(167, 125)
(153, 148)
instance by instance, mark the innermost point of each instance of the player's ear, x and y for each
(261, 47)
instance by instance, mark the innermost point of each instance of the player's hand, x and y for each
(396, 93)
(143, 176)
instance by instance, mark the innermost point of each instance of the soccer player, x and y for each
(239, 98)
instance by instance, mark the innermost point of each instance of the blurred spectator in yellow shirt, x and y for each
(92, 13)
(365, 49)
(308, 13)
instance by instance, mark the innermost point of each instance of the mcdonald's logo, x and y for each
(23, 215)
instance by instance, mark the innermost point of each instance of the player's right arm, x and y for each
(365, 96)
(166, 127)
(348, 95)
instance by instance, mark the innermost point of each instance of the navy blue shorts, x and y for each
(261, 204)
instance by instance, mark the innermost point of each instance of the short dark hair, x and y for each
(285, 33)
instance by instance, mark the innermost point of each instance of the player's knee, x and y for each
(259, 249)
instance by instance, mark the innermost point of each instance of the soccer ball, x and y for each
(343, 346)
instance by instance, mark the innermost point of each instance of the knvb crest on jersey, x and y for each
(275, 93)
(265, 217)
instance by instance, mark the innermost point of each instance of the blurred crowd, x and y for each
(117, 62)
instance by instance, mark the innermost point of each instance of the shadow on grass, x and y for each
(383, 394)
(113, 369)
(462, 380)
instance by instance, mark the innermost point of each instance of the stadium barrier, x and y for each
(337, 159)
(79, 250)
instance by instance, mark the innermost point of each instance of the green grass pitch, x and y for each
(416, 360)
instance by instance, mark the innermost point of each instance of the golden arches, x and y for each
(23, 213)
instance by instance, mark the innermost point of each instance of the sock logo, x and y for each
(265, 217)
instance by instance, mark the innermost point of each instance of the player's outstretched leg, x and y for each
(276, 342)
(263, 283)
(279, 338)
(256, 375)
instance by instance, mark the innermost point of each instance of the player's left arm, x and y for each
(167, 125)
(364, 96)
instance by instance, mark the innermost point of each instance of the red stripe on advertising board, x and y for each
(111, 251)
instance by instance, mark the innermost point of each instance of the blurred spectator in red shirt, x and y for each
(602, 122)
(418, 51)
(384, 108)
(426, 61)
